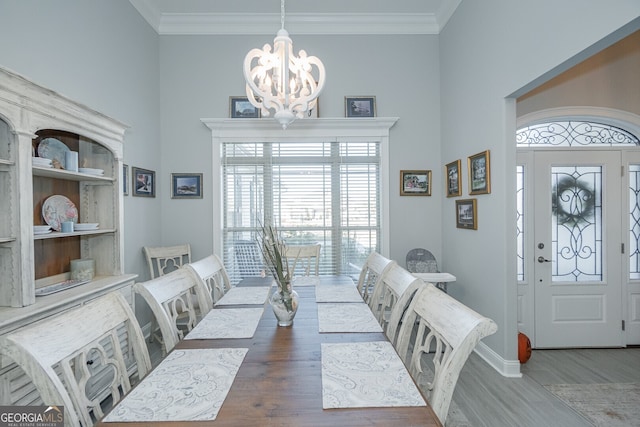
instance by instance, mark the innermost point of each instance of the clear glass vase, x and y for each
(284, 308)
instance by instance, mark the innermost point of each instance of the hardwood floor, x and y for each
(488, 399)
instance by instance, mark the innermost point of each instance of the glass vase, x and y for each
(284, 310)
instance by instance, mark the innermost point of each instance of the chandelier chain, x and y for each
(282, 13)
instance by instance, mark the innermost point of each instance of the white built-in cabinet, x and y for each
(28, 114)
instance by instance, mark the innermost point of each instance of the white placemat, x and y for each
(366, 375)
(227, 323)
(189, 385)
(252, 295)
(306, 281)
(337, 293)
(346, 317)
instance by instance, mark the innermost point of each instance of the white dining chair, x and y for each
(213, 274)
(437, 335)
(304, 260)
(165, 259)
(65, 352)
(371, 274)
(172, 300)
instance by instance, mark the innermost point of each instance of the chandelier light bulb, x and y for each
(281, 84)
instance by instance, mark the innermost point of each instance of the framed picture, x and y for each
(467, 214)
(125, 180)
(241, 108)
(186, 186)
(452, 178)
(479, 173)
(360, 106)
(415, 183)
(144, 182)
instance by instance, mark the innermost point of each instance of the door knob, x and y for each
(542, 259)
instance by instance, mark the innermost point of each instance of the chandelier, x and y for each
(280, 83)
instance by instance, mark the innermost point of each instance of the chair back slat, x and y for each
(165, 259)
(371, 274)
(213, 274)
(304, 259)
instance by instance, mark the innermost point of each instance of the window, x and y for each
(323, 180)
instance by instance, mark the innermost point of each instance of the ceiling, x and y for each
(233, 17)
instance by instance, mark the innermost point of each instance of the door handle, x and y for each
(542, 259)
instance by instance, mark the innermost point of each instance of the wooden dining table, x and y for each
(279, 382)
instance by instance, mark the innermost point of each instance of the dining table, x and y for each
(280, 375)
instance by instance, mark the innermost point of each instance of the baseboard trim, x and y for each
(506, 368)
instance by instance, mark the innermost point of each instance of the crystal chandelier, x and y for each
(280, 83)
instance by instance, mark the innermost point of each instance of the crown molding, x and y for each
(296, 23)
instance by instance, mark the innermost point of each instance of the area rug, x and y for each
(611, 405)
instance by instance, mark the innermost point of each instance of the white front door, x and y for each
(577, 249)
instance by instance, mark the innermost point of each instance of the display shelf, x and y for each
(59, 234)
(68, 175)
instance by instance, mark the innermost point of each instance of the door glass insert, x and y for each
(576, 223)
(634, 221)
(520, 220)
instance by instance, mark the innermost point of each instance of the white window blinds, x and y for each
(326, 192)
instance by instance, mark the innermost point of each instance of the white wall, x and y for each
(199, 73)
(491, 50)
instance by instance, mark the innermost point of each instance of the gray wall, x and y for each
(491, 51)
(452, 94)
(199, 73)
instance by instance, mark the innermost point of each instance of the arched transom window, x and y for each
(573, 133)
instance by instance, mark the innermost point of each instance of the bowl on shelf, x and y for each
(84, 226)
(41, 229)
(41, 161)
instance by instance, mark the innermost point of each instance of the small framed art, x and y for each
(241, 108)
(479, 173)
(125, 180)
(360, 106)
(144, 182)
(186, 186)
(415, 183)
(452, 178)
(467, 214)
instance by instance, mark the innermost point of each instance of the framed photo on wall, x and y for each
(359, 106)
(125, 180)
(415, 183)
(241, 108)
(144, 182)
(452, 178)
(479, 173)
(467, 214)
(186, 186)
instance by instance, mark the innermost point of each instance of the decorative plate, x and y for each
(91, 171)
(58, 209)
(54, 149)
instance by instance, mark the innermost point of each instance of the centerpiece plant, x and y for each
(274, 254)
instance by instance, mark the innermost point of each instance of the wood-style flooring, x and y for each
(488, 399)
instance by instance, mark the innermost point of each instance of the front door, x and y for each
(577, 249)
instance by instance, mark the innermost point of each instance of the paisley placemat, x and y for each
(227, 323)
(189, 385)
(245, 295)
(346, 317)
(331, 293)
(366, 375)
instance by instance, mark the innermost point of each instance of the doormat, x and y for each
(612, 405)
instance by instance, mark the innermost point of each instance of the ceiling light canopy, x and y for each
(281, 84)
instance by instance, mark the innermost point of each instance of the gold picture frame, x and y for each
(415, 182)
(467, 214)
(452, 179)
(479, 173)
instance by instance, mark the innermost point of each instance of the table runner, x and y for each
(366, 375)
(227, 323)
(246, 295)
(346, 317)
(335, 293)
(188, 385)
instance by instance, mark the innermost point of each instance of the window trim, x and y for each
(306, 130)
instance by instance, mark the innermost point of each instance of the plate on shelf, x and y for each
(53, 149)
(58, 209)
(91, 171)
(41, 229)
(86, 226)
